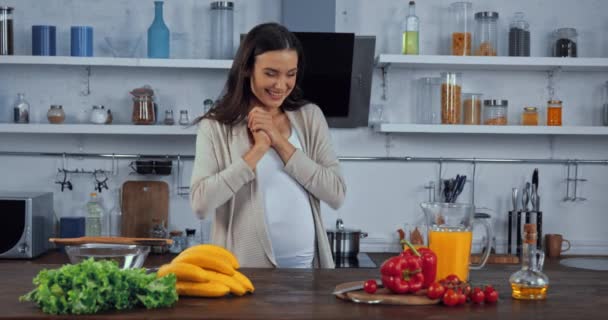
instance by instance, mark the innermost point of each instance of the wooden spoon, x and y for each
(112, 240)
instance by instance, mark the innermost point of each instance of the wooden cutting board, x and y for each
(383, 296)
(143, 202)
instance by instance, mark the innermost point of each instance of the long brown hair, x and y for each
(233, 106)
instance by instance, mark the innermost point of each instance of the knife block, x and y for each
(517, 225)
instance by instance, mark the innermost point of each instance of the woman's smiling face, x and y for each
(274, 76)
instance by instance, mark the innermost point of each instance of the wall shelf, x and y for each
(482, 129)
(492, 63)
(116, 62)
(94, 129)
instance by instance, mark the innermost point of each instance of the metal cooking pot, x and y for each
(344, 243)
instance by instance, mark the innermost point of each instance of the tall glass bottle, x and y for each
(530, 283)
(115, 215)
(158, 34)
(411, 31)
(21, 109)
(95, 216)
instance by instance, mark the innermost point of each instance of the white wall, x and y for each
(381, 196)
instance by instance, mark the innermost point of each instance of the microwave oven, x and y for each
(26, 223)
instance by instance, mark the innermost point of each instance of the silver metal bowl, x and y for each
(127, 256)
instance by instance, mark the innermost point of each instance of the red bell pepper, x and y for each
(428, 261)
(402, 274)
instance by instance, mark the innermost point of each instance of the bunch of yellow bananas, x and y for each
(207, 270)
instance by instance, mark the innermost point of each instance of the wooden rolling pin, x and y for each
(112, 240)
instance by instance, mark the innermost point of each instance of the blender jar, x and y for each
(461, 30)
(486, 35)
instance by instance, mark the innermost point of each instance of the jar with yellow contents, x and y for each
(554, 113)
(529, 116)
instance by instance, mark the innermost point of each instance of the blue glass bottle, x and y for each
(158, 34)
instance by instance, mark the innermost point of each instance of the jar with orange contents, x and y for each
(461, 29)
(530, 116)
(554, 113)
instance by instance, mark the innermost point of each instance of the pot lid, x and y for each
(340, 228)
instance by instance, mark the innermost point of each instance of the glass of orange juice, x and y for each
(450, 236)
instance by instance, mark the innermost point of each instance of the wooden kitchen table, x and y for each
(306, 294)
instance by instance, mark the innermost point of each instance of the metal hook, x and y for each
(100, 184)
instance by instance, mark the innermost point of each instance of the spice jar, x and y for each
(169, 120)
(495, 112)
(451, 89)
(529, 116)
(564, 42)
(6, 31)
(179, 243)
(471, 104)
(460, 32)
(183, 117)
(55, 114)
(554, 113)
(486, 35)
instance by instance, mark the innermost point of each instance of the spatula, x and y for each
(112, 240)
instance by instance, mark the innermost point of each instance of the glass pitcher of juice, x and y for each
(450, 236)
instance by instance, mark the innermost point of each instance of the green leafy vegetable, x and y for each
(95, 286)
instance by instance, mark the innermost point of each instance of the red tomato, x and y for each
(477, 296)
(491, 297)
(370, 286)
(453, 279)
(435, 291)
(450, 298)
(462, 298)
(488, 289)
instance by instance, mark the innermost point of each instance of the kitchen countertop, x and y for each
(306, 294)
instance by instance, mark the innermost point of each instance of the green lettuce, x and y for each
(95, 286)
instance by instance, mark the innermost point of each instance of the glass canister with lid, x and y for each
(143, 106)
(486, 33)
(55, 115)
(495, 112)
(451, 95)
(565, 42)
(222, 26)
(461, 29)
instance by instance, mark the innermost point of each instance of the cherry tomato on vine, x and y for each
(435, 291)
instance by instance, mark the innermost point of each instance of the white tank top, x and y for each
(288, 212)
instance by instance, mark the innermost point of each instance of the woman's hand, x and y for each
(261, 139)
(260, 119)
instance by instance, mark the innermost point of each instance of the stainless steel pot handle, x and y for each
(363, 235)
(339, 224)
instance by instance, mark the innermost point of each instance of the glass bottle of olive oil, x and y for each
(530, 283)
(410, 31)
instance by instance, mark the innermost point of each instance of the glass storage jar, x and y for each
(519, 36)
(486, 33)
(451, 94)
(184, 120)
(6, 31)
(55, 114)
(495, 112)
(428, 105)
(471, 105)
(554, 113)
(565, 42)
(222, 29)
(461, 29)
(529, 116)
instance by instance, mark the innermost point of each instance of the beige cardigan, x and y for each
(224, 183)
